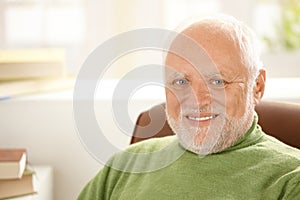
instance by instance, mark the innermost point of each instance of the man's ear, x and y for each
(259, 87)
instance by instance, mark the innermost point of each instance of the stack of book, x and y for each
(15, 179)
(32, 71)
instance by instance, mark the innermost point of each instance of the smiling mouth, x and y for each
(204, 118)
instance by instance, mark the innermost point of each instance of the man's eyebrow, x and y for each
(216, 74)
(175, 75)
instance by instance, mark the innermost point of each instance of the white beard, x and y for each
(221, 134)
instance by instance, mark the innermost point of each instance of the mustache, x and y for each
(189, 110)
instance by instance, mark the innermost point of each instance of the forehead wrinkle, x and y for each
(181, 67)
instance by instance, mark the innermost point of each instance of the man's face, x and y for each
(209, 106)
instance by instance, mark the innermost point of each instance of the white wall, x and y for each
(44, 125)
(46, 130)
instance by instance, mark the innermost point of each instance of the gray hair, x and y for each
(243, 37)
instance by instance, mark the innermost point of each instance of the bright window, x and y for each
(44, 23)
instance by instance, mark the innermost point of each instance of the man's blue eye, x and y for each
(218, 82)
(181, 82)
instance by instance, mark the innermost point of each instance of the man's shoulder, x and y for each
(280, 150)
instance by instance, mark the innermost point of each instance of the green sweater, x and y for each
(256, 167)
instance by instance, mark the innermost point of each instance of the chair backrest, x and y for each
(279, 119)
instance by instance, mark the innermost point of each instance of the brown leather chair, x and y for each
(279, 119)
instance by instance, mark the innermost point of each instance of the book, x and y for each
(18, 187)
(12, 163)
(9, 89)
(31, 63)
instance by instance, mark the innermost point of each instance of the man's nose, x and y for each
(201, 93)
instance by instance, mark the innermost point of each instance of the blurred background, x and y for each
(72, 29)
(79, 26)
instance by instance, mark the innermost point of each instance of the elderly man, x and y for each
(219, 151)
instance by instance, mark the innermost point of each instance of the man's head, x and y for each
(211, 91)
